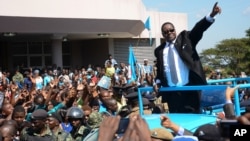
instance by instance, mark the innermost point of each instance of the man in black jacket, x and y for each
(178, 64)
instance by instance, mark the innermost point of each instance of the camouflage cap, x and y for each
(161, 133)
(95, 119)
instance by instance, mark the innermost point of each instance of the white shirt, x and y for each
(181, 68)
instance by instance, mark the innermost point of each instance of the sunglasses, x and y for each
(168, 31)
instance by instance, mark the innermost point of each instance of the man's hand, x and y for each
(244, 119)
(216, 10)
(137, 130)
(108, 128)
(130, 133)
(230, 92)
(167, 123)
(142, 128)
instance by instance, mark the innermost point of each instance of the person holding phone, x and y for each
(178, 64)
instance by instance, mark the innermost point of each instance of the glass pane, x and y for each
(47, 48)
(19, 61)
(35, 61)
(19, 48)
(66, 60)
(35, 47)
(48, 60)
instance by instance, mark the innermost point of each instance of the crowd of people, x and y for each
(67, 107)
(63, 104)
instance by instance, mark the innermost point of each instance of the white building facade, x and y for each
(77, 33)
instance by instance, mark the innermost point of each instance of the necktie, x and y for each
(171, 62)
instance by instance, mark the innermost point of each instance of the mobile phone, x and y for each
(123, 125)
(225, 125)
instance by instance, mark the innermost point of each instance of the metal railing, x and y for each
(202, 87)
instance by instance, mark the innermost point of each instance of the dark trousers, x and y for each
(182, 101)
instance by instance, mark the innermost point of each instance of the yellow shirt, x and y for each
(110, 71)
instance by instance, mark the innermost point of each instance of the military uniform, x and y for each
(61, 135)
(45, 134)
(28, 134)
(80, 134)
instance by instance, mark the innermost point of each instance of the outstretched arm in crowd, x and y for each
(137, 129)
(228, 108)
(178, 130)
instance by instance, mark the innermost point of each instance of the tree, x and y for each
(248, 33)
(232, 55)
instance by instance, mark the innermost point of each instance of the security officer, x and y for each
(133, 102)
(75, 116)
(39, 131)
(54, 121)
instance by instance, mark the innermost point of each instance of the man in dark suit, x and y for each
(178, 64)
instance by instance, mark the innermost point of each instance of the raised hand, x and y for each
(142, 129)
(108, 128)
(230, 92)
(137, 130)
(216, 10)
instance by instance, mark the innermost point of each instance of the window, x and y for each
(19, 60)
(36, 61)
(35, 47)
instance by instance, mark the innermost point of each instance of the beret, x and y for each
(39, 114)
(161, 133)
(55, 116)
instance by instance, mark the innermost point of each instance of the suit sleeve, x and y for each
(197, 32)
(229, 110)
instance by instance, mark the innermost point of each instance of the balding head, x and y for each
(111, 104)
(8, 130)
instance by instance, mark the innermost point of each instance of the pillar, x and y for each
(57, 52)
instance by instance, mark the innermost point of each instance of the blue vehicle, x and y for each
(213, 99)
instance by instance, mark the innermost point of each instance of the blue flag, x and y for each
(132, 63)
(147, 25)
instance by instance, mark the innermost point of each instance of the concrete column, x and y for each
(157, 41)
(57, 52)
(111, 47)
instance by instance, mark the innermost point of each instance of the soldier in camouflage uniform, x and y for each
(39, 130)
(75, 116)
(54, 121)
(95, 119)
